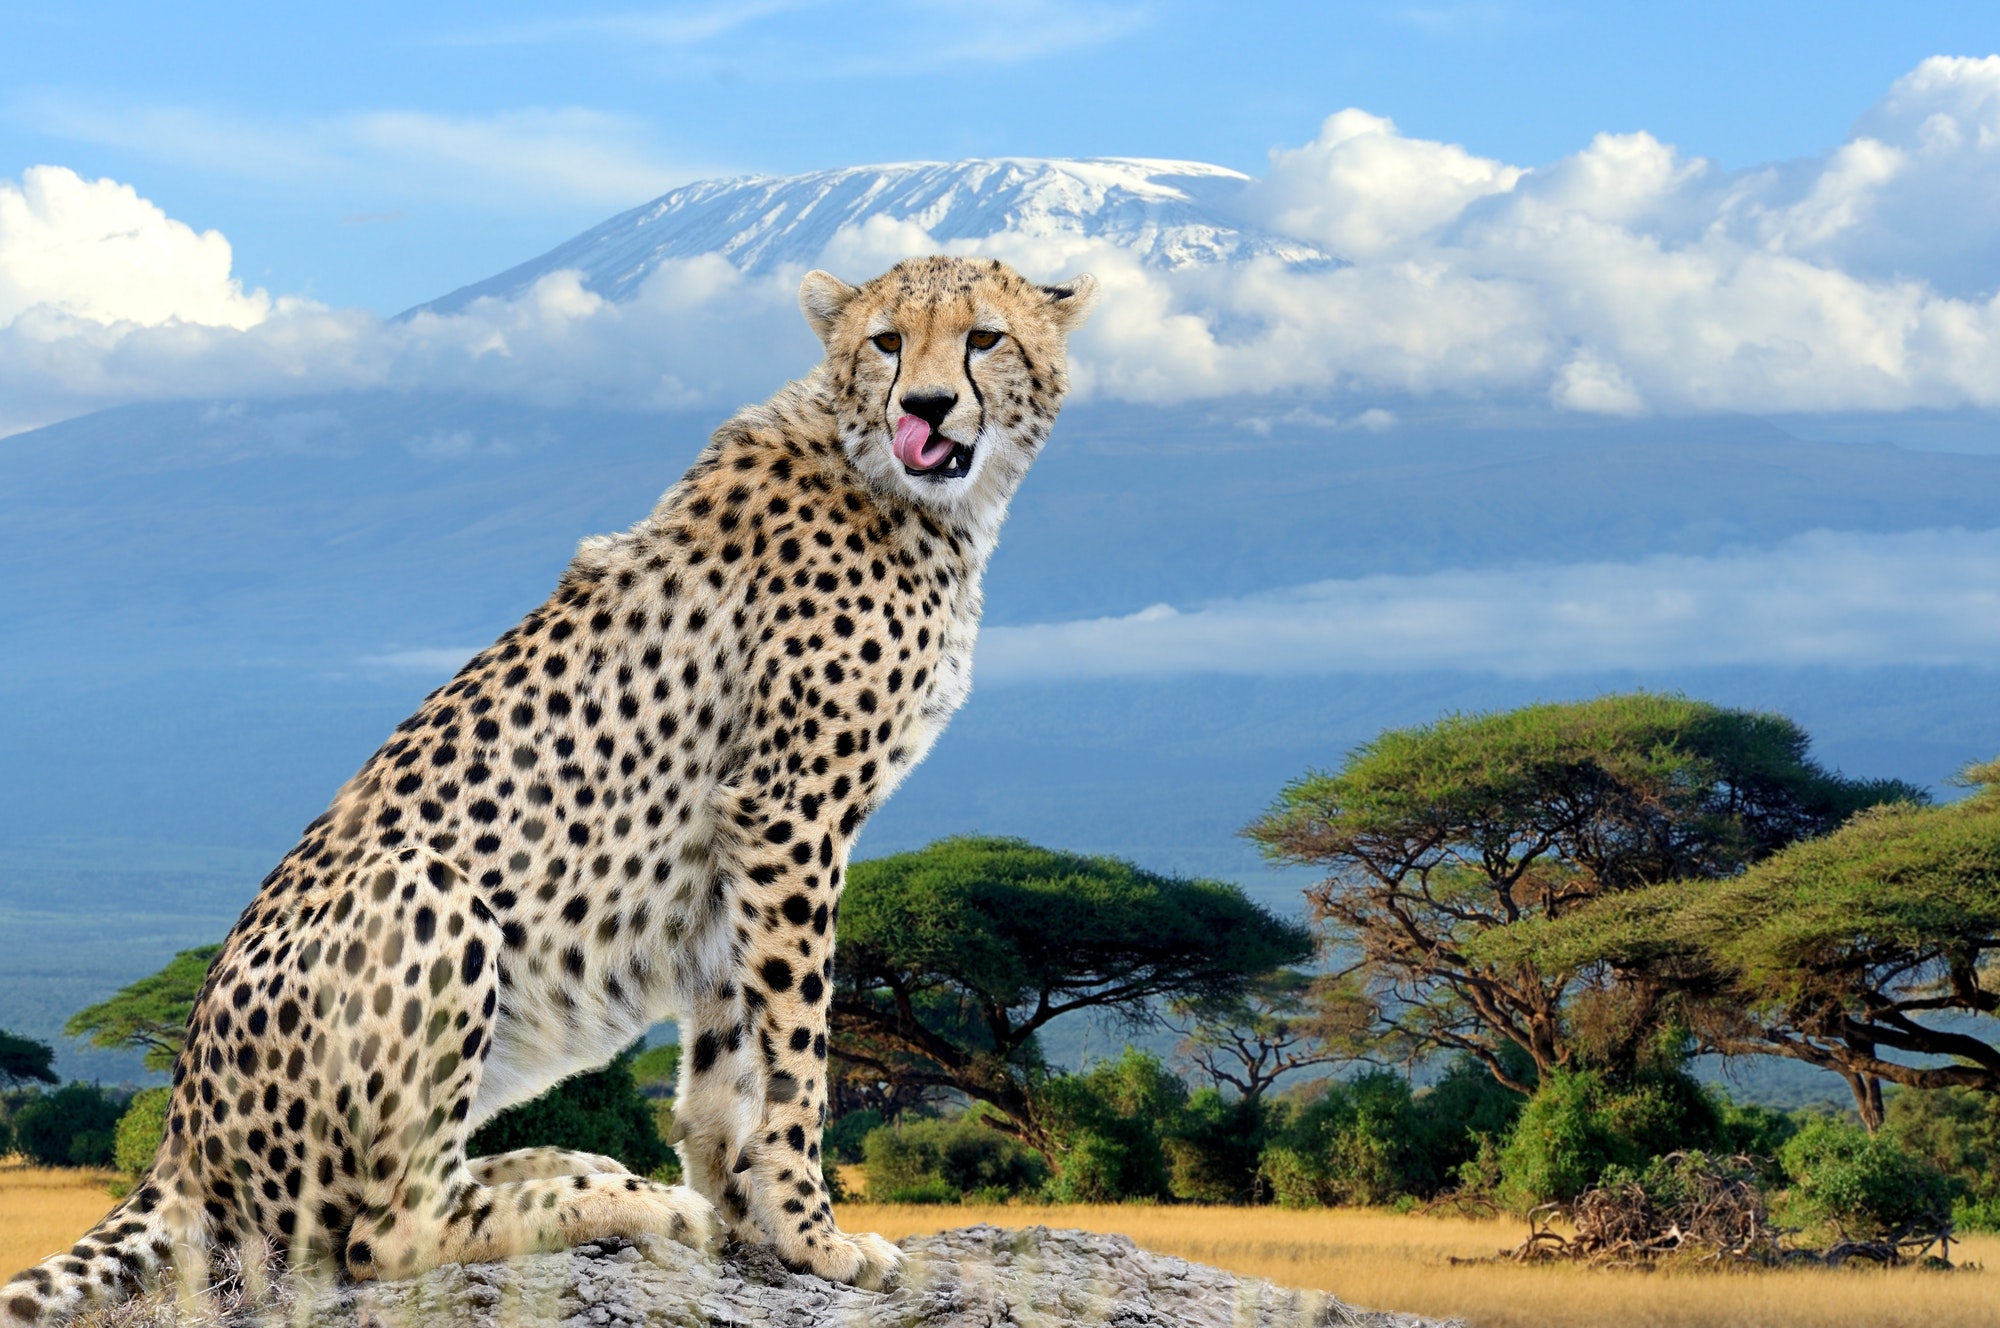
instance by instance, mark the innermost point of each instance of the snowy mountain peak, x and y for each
(1168, 213)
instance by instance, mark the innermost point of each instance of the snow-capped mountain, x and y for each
(1169, 213)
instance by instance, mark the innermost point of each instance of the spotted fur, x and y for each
(637, 804)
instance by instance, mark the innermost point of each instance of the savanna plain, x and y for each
(1368, 1257)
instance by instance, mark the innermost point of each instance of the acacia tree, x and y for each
(1845, 952)
(1437, 835)
(23, 1060)
(151, 1015)
(1289, 1019)
(952, 961)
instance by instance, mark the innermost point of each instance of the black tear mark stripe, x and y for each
(977, 395)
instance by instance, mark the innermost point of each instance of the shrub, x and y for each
(1351, 1146)
(846, 1135)
(1862, 1184)
(141, 1130)
(1560, 1146)
(1754, 1131)
(1106, 1127)
(75, 1126)
(1466, 1110)
(1968, 1214)
(1957, 1130)
(601, 1111)
(947, 1160)
(1213, 1147)
(1581, 1122)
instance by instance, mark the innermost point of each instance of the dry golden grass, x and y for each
(1375, 1259)
(1385, 1261)
(43, 1211)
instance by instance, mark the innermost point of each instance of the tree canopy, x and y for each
(24, 1059)
(151, 1014)
(1435, 835)
(1843, 951)
(1285, 1020)
(953, 958)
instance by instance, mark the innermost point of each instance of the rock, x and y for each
(973, 1277)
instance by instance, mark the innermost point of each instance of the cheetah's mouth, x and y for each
(928, 455)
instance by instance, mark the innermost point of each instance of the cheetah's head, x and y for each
(946, 373)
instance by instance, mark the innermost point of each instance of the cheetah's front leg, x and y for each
(751, 1107)
(715, 1107)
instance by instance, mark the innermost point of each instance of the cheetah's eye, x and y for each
(888, 343)
(981, 338)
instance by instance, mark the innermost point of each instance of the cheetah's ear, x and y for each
(1072, 300)
(821, 298)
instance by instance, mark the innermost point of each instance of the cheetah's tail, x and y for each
(118, 1258)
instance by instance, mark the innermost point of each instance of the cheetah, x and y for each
(637, 804)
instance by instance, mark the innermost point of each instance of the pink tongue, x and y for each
(916, 448)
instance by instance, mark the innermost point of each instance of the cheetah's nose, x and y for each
(930, 407)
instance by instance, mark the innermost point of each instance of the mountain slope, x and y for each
(1168, 213)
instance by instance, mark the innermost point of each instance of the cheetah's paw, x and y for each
(862, 1259)
(685, 1218)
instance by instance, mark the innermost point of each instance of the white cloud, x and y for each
(1364, 191)
(95, 250)
(1624, 279)
(1924, 598)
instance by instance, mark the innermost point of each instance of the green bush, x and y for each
(1465, 1111)
(1107, 1125)
(601, 1111)
(948, 1160)
(1581, 1122)
(141, 1130)
(1351, 1146)
(655, 1073)
(656, 1069)
(1862, 1184)
(1976, 1215)
(1756, 1131)
(1678, 1182)
(1957, 1130)
(1213, 1146)
(75, 1126)
(845, 1136)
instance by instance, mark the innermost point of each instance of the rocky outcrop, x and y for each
(973, 1277)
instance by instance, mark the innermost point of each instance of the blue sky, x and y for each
(376, 155)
